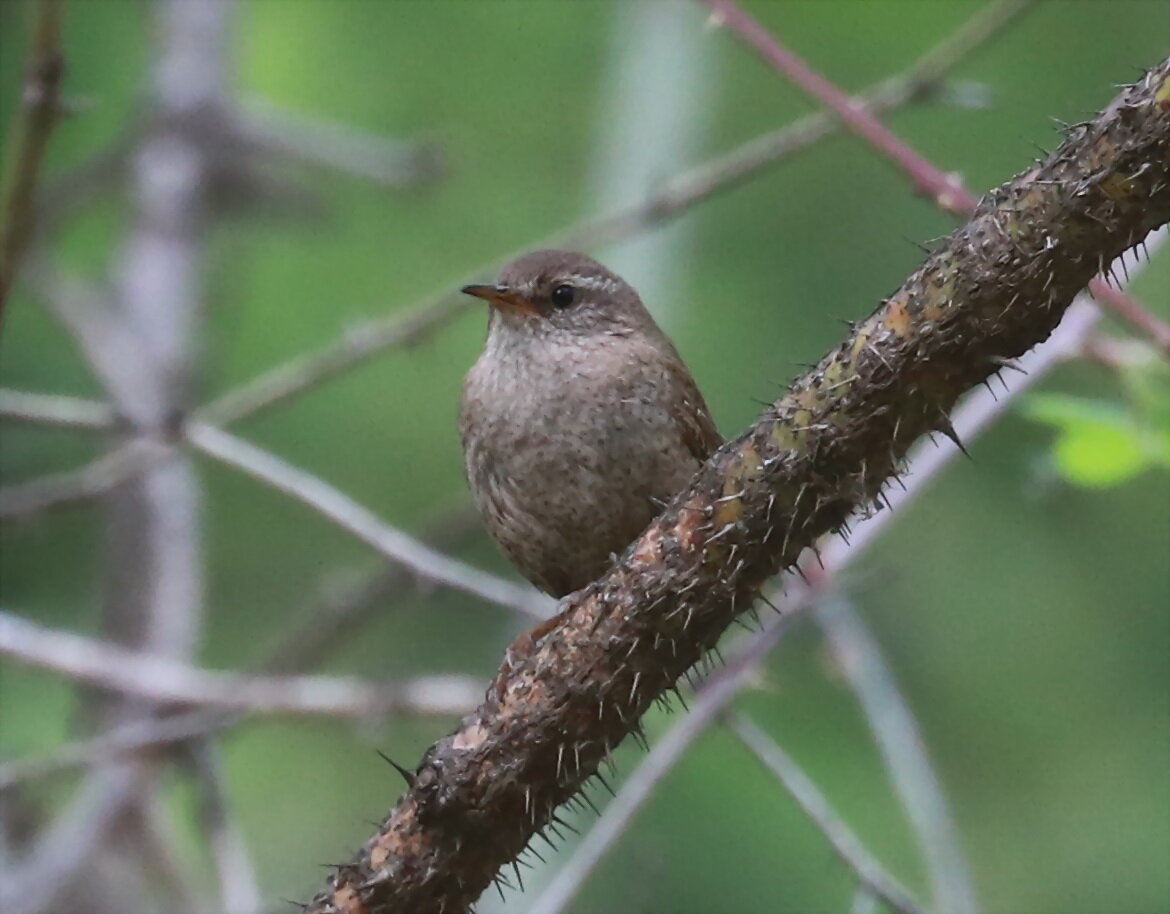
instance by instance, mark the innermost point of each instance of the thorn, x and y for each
(545, 838)
(588, 801)
(772, 606)
(949, 430)
(604, 783)
(1008, 363)
(407, 776)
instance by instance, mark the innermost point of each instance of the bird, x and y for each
(578, 421)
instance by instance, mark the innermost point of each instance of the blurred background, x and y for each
(383, 154)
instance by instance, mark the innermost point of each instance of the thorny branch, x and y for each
(925, 462)
(566, 696)
(39, 108)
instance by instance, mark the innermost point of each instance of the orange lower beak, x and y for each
(501, 297)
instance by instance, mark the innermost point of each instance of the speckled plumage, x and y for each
(578, 422)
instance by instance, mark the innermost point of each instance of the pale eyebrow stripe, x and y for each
(602, 283)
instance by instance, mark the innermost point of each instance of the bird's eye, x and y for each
(562, 296)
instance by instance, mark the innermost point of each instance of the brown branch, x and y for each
(945, 190)
(926, 461)
(567, 695)
(39, 109)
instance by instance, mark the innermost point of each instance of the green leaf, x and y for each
(1099, 444)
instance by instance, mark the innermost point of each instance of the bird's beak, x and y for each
(501, 297)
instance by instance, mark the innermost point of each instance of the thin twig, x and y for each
(239, 887)
(864, 901)
(123, 462)
(120, 741)
(161, 680)
(816, 806)
(896, 732)
(340, 612)
(945, 190)
(304, 644)
(430, 564)
(89, 481)
(68, 843)
(39, 109)
(57, 411)
(275, 131)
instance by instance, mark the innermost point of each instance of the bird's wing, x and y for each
(690, 411)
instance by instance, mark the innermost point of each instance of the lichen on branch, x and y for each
(568, 693)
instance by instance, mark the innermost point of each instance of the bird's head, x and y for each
(562, 293)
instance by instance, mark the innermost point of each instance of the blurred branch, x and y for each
(340, 612)
(89, 481)
(390, 163)
(239, 889)
(896, 732)
(814, 804)
(352, 348)
(945, 190)
(55, 410)
(40, 106)
(416, 322)
(161, 680)
(122, 463)
(303, 644)
(570, 691)
(864, 901)
(118, 741)
(351, 516)
(68, 844)
(140, 340)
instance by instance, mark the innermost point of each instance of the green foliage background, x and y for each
(1025, 619)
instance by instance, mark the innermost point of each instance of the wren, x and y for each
(578, 421)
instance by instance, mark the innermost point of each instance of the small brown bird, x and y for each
(578, 421)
